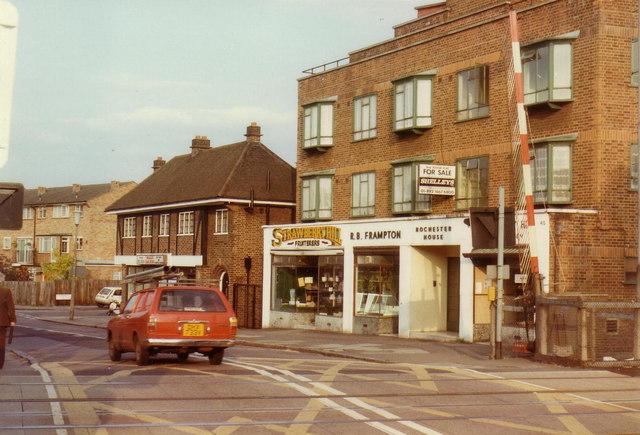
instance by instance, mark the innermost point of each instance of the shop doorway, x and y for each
(453, 294)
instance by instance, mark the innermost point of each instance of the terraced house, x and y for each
(397, 141)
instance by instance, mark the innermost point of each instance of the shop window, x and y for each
(472, 182)
(406, 198)
(308, 284)
(473, 93)
(551, 170)
(547, 71)
(377, 285)
(364, 117)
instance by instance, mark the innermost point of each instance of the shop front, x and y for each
(391, 276)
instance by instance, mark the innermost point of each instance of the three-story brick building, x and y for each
(372, 253)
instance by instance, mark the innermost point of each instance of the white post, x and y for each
(499, 290)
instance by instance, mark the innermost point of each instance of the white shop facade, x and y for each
(403, 276)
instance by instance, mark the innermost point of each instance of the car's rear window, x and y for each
(190, 300)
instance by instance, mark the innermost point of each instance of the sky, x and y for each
(104, 87)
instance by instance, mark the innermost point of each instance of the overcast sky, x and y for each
(103, 87)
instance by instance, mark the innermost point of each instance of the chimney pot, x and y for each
(158, 163)
(200, 143)
(253, 133)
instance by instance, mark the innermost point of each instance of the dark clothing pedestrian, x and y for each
(7, 319)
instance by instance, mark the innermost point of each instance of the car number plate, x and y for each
(193, 329)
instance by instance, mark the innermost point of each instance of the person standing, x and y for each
(7, 318)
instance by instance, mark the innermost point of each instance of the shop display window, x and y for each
(377, 285)
(308, 284)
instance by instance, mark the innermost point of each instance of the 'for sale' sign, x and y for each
(436, 179)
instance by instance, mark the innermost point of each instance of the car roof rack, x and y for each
(164, 276)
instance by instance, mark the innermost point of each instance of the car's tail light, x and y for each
(151, 325)
(233, 325)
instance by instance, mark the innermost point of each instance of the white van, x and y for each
(108, 295)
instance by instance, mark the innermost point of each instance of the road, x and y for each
(66, 384)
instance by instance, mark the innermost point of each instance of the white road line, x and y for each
(263, 370)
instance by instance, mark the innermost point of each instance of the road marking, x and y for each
(74, 334)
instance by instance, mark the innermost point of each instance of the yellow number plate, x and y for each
(193, 329)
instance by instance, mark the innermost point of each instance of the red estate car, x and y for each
(178, 320)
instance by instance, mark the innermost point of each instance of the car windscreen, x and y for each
(190, 300)
(105, 291)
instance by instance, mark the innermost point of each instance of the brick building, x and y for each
(49, 228)
(370, 254)
(202, 213)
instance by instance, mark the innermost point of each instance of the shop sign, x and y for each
(150, 259)
(306, 237)
(436, 180)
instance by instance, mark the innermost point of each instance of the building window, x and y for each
(634, 62)
(363, 194)
(551, 172)
(45, 244)
(377, 284)
(64, 245)
(547, 71)
(472, 182)
(630, 270)
(27, 213)
(222, 221)
(25, 251)
(317, 125)
(79, 243)
(473, 93)
(364, 117)
(413, 103)
(42, 212)
(129, 227)
(164, 225)
(406, 198)
(317, 193)
(185, 223)
(80, 208)
(6, 243)
(634, 166)
(61, 211)
(147, 225)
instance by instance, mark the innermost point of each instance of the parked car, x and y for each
(174, 319)
(108, 295)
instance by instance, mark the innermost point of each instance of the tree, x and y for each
(13, 273)
(58, 269)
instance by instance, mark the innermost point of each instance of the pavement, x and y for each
(372, 348)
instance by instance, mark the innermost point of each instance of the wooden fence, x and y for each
(43, 294)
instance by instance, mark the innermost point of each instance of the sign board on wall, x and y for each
(436, 180)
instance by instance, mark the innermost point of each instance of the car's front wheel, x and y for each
(114, 352)
(142, 353)
(216, 356)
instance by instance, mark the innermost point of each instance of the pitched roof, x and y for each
(241, 171)
(74, 194)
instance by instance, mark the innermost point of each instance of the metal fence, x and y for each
(587, 330)
(246, 300)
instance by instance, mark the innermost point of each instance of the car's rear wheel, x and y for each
(216, 356)
(142, 353)
(183, 356)
(114, 352)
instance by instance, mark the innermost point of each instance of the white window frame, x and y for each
(413, 103)
(60, 211)
(473, 93)
(547, 70)
(185, 223)
(129, 228)
(6, 242)
(65, 243)
(42, 212)
(472, 182)
(27, 213)
(317, 125)
(79, 208)
(317, 196)
(147, 226)
(405, 198)
(165, 225)
(46, 244)
(364, 117)
(222, 221)
(79, 243)
(363, 194)
(551, 171)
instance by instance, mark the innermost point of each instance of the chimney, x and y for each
(75, 188)
(253, 133)
(199, 143)
(115, 184)
(41, 190)
(430, 9)
(158, 163)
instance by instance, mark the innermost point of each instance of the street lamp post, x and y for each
(72, 304)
